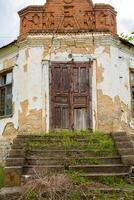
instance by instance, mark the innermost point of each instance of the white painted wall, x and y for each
(35, 82)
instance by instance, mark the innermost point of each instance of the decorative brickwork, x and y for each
(68, 16)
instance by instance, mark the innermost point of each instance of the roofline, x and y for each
(30, 8)
(9, 44)
(126, 42)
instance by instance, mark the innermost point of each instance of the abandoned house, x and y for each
(68, 69)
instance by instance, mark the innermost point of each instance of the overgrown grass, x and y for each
(97, 141)
(76, 179)
(112, 196)
(1, 176)
(115, 182)
(31, 195)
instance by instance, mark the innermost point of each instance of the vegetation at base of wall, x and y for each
(1, 176)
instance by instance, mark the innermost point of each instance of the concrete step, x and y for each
(66, 160)
(72, 152)
(56, 138)
(116, 168)
(121, 138)
(18, 146)
(53, 140)
(16, 153)
(43, 170)
(15, 161)
(11, 193)
(124, 144)
(118, 134)
(128, 159)
(126, 151)
(57, 146)
(98, 175)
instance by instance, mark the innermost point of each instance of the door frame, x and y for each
(90, 109)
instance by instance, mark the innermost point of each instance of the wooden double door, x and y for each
(70, 94)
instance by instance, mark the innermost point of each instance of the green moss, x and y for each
(1, 176)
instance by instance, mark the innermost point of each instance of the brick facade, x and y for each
(68, 16)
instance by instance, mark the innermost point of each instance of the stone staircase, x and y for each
(125, 147)
(33, 155)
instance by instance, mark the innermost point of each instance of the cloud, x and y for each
(9, 19)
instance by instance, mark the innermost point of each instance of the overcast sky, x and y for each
(9, 20)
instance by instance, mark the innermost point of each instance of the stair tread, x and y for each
(67, 158)
(66, 150)
(10, 167)
(16, 158)
(43, 166)
(102, 174)
(87, 165)
(100, 165)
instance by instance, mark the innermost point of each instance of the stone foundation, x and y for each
(5, 146)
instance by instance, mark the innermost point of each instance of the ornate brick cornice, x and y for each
(68, 16)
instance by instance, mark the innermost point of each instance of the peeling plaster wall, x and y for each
(27, 92)
(8, 62)
(113, 88)
(111, 99)
(30, 92)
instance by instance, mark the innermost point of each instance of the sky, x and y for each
(9, 19)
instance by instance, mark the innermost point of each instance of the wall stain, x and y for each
(113, 115)
(10, 131)
(100, 74)
(29, 120)
(25, 68)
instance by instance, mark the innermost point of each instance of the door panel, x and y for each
(70, 95)
(80, 119)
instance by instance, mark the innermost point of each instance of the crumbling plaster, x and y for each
(111, 100)
(113, 89)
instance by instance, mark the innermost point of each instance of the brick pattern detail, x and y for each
(68, 16)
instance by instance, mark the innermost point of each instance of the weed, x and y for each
(127, 196)
(1, 176)
(31, 195)
(98, 142)
(75, 196)
(115, 182)
(76, 179)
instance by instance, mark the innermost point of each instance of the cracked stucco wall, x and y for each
(111, 100)
(113, 89)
